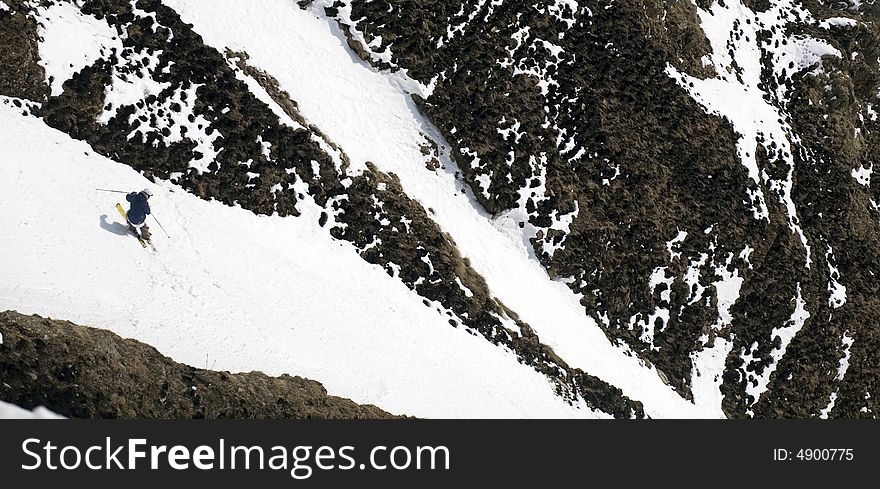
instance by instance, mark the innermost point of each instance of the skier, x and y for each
(137, 214)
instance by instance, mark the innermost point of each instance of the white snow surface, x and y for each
(372, 117)
(838, 22)
(863, 175)
(241, 291)
(70, 41)
(11, 411)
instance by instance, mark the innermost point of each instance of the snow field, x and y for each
(234, 291)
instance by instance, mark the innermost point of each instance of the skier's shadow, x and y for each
(113, 227)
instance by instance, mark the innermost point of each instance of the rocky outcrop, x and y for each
(635, 194)
(21, 76)
(83, 372)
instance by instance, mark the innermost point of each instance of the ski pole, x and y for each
(114, 191)
(161, 226)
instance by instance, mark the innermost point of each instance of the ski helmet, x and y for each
(147, 192)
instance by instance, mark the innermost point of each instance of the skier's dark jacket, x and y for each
(139, 208)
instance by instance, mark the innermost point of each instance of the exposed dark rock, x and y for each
(21, 76)
(83, 372)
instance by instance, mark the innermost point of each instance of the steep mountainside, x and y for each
(699, 172)
(232, 290)
(620, 208)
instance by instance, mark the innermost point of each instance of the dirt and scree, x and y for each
(21, 76)
(654, 163)
(83, 372)
(356, 206)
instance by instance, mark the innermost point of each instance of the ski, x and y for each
(125, 216)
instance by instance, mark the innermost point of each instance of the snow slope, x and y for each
(11, 411)
(234, 291)
(371, 116)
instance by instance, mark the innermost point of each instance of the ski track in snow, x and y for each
(235, 291)
(370, 115)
